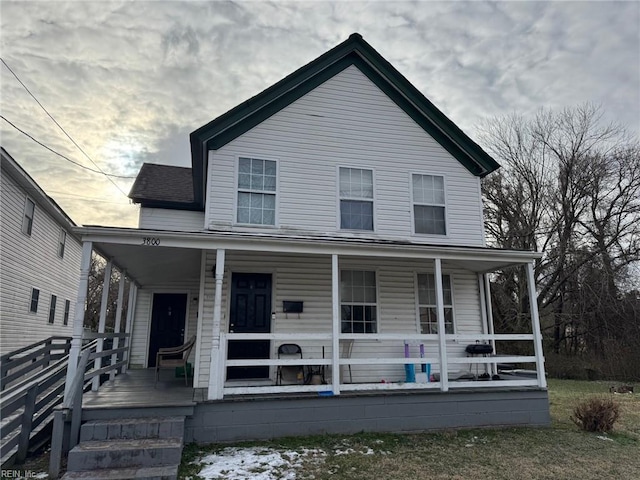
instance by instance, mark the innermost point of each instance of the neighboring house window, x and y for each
(35, 295)
(427, 308)
(257, 191)
(52, 309)
(428, 204)
(356, 199)
(62, 240)
(27, 220)
(67, 306)
(358, 301)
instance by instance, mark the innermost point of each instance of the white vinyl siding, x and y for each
(356, 199)
(427, 306)
(27, 264)
(173, 220)
(257, 183)
(346, 122)
(429, 209)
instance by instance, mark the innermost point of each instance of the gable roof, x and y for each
(354, 51)
(164, 186)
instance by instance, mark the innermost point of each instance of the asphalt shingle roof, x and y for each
(162, 183)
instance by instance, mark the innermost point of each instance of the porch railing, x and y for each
(68, 416)
(488, 362)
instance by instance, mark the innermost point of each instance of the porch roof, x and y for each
(154, 256)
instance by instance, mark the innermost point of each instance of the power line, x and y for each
(60, 126)
(59, 154)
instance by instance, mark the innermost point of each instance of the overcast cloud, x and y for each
(130, 80)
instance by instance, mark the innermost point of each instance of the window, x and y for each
(358, 301)
(27, 220)
(257, 191)
(67, 306)
(35, 295)
(52, 309)
(62, 240)
(428, 204)
(356, 199)
(427, 308)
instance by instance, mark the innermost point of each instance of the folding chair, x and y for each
(295, 371)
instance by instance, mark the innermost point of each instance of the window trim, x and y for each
(62, 242)
(31, 299)
(236, 190)
(373, 199)
(67, 309)
(418, 304)
(361, 268)
(29, 231)
(445, 205)
(52, 309)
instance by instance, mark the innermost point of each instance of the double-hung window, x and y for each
(356, 199)
(428, 204)
(427, 305)
(27, 219)
(256, 191)
(67, 306)
(358, 301)
(52, 308)
(62, 240)
(35, 296)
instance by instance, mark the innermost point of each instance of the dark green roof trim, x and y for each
(354, 51)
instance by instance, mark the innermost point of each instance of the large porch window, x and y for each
(358, 301)
(427, 306)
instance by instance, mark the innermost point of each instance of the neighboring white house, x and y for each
(339, 210)
(39, 262)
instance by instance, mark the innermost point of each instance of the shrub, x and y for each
(596, 414)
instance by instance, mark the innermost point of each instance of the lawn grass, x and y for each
(561, 451)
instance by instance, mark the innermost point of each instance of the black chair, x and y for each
(295, 371)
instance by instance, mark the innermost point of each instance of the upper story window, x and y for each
(62, 240)
(52, 308)
(428, 204)
(358, 301)
(257, 191)
(67, 306)
(427, 305)
(356, 199)
(27, 219)
(35, 295)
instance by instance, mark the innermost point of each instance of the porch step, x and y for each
(132, 428)
(149, 473)
(145, 452)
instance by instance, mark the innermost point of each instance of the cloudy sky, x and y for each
(129, 80)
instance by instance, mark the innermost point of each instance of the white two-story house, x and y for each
(339, 210)
(39, 262)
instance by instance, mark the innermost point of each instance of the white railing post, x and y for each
(487, 294)
(104, 301)
(116, 329)
(444, 375)
(335, 329)
(535, 324)
(78, 319)
(217, 372)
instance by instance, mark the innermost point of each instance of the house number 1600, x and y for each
(151, 241)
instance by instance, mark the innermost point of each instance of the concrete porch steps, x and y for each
(134, 448)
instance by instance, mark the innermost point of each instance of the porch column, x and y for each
(216, 367)
(335, 328)
(116, 328)
(483, 311)
(535, 323)
(444, 375)
(487, 294)
(103, 320)
(78, 319)
(199, 323)
(131, 307)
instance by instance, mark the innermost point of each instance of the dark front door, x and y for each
(250, 313)
(167, 322)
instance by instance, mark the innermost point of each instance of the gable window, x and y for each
(427, 307)
(257, 191)
(62, 240)
(52, 309)
(356, 199)
(428, 204)
(35, 295)
(358, 301)
(27, 219)
(67, 306)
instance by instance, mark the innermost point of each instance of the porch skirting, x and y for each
(247, 418)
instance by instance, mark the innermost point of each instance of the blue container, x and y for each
(410, 373)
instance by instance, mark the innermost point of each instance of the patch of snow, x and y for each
(601, 437)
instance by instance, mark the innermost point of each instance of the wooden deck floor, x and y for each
(137, 388)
